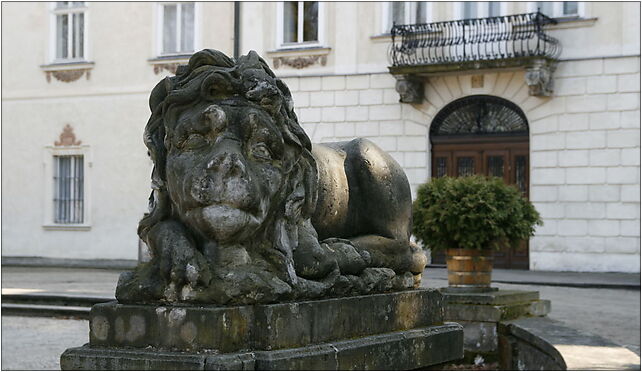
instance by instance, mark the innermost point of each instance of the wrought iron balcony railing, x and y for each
(470, 40)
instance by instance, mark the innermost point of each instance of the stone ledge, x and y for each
(500, 297)
(262, 327)
(410, 349)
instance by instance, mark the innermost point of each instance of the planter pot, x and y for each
(469, 268)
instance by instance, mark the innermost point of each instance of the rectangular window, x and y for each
(300, 22)
(559, 8)
(68, 179)
(70, 30)
(405, 12)
(470, 10)
(178, 28)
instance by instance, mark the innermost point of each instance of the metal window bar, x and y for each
(476, 39)
(68, 189)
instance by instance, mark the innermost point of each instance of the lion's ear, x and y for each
(218, 85)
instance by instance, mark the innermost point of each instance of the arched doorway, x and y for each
(486, 135)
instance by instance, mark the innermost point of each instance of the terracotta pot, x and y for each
(469, 268)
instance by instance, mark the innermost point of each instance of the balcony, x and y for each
(513, 41)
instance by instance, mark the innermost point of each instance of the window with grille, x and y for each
(178, 28)
(68, 192)
(70, 30)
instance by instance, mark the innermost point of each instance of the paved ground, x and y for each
(36, 343)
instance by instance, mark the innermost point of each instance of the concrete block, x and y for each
(604, 157)
(409, 112)
(630, 119)
(310, 84)
(546, 244)
(301, 99)
(543, 193)
(591, 103)
(356, 113)
(346, 98)
(541, 159)
(604, 228)
(586, 140)
(417, 175)
(604, 120)
(570, 86)
(415, 129)
(357, 82)
(545, 125)
(573, 158)
(547, 176)
(343, 129)
(554, 141)
(391, 128)
(572, 227)
(371, 97)
(621, 65)
(333, 82)
(623, 101)
(333, 114)
(585, 176)
(390, 96)
(573, 193)
(623, 138)
(366, 129)
(384, 112)
(630, 156)
(415, 159)
(623, 245)
(574, 122)
(601, 84)
(554, 106)
(623, 211)
(547, 229)
(387, 143)
(309, 115)
(623, 175)
(604, 193)
(321, 99)
(480, 336)
(292, 83)
(583, 244)
(384, 80)
(413, 143)
(630, 193)
(550, 210)
(579, 68)
(630, 228)
(628, 83)
(585, 210)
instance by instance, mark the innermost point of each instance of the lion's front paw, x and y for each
(350, 260)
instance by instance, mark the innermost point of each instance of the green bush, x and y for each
(471, 212)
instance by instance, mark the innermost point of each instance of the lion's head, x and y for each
(230, 159)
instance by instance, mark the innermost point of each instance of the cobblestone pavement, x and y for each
(36, 343)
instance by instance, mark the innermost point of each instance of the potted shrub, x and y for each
(468, 217)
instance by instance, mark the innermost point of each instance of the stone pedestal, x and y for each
(480, 313)
(402, 330)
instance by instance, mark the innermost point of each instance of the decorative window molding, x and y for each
(302, 17)
(68, 72)
(67, 202)
(299, 58)
(168, 63)
(175, 35)
(407, 12)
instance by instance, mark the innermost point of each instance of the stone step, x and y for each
(45, 310)
(54, 299)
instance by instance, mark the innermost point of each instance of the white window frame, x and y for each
(307, 44)
(558, 9)
(160, 9)
(48, 164)
(482, 9)
(53, 42)
(410, 14)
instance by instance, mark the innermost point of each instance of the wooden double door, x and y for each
(506, 158)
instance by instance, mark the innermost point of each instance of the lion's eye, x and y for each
(261, 151)
(194, 141)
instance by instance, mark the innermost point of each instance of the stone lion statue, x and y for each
(245, 210)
